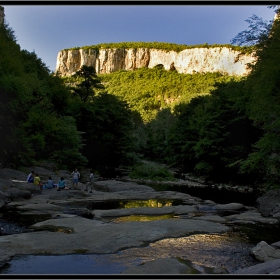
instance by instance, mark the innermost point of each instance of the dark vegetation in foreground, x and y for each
(223, 128)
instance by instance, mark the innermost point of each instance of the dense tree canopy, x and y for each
(42, 119)
(149, 90)
(264, 107)
(33, 100)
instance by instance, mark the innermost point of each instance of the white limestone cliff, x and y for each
(188, 61)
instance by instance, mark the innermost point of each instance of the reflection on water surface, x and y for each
(149, 203)
(142, 218)
(120, 204)
(230, 251)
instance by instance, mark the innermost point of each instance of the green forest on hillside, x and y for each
(223, 128)
(147, 91)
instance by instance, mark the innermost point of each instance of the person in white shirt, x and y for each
(91, 181)
(75, 178)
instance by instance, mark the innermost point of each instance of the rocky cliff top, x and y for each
(188, 61)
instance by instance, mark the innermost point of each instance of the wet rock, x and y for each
(209, 202)
(207, 208)
(192, 201)
(134, 211)
(277, 271)
(5, 197)
(42, 208)
(160, 266)
(251, 217)
(185, 209)
(229, 206)
(2, 203)
(85, 213)
(276, 244)
(10, 174)
(60, 216)
(9, 228)
(220, 270)
(212, 218)
(269, 267)
(98, 237)
(264, 252)
(16, 193)
(101, 188)
(4, 258)
(26, 186)
(5, 183)
(269, 203)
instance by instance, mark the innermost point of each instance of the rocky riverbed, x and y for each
(163, 230)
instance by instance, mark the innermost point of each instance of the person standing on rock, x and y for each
(75, 178)
(91, 181)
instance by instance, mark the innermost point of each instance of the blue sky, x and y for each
(47, 29)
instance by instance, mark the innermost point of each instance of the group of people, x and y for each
(35, 179)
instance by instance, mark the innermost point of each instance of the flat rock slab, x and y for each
(212, 218)
(252, 217)
(20, 185)
(134, 211)
(185, 209)
(75, 234)
(229, 206)
(71, 197)
(43, 208)
(160, 266)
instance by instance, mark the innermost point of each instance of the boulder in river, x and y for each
(269, 203)
(265, 252)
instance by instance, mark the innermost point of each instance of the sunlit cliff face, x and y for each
(188, 61)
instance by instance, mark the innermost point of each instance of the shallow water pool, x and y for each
(230, 251)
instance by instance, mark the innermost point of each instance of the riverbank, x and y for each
(116, 216)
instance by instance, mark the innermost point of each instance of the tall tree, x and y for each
(88, 83)
(264, 107)
(257, 32)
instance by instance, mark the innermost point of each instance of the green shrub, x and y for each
(151, 171)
